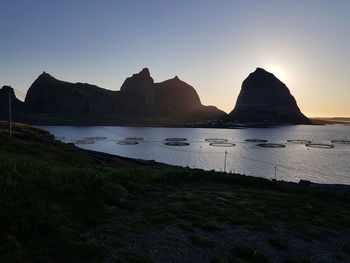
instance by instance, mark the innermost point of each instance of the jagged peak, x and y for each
(258, 69)
(144, 73)
(45, 75)
(263, 75)
(138, 81)
(262, 72)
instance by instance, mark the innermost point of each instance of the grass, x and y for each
(186, 226)
(202, 241)
(278, 243)
(135, 260)
(297, 260)
(250, 254)
(52, 193)
(346, 248)
(211, 226)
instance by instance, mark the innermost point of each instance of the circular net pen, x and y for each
(84, 142)
(134, 139)
(222, 144)
(256, 140)
(174, 143)
(341, 141)
(127, 142)
(299, 141)
(176, 139)
(96, 138)
(271, 145)
(216, 140)
(320, 145)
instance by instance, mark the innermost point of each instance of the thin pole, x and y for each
(10, 125)
(225, 161)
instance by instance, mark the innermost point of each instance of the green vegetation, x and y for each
(202, 241)
(53, 194)
(250, 254)
(278, 243)
(297, 260)
(135, 260)
(346, 248)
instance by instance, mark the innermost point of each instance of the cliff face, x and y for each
(176, 98)
(264, 97)
(139, 100)
(4, 99)
(137, 95)
(49, 95)
(18, 108)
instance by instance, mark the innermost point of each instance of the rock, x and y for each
(17, 106)
(4, 99)
(137, 95)
(178, 100)
(140, 100)
(49, 95)
(264, 98)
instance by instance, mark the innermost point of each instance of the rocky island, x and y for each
(264, 98)
(139, 101)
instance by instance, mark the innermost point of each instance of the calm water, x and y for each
(294, 162)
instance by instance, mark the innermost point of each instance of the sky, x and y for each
(211, 44)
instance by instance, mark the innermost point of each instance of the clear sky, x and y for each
(211, 44)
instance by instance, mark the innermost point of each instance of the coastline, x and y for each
(63, 203)
(214, 125)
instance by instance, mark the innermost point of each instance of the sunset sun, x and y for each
(278, 71)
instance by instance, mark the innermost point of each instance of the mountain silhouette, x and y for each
(139, 101)
(263, 97)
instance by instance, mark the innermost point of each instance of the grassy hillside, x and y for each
(59, 203)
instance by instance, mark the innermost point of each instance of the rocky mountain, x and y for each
(4, 98)
(49, 95)
(16, 105)
(139, 101)
(263, 97)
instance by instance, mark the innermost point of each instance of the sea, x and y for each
(318, 153)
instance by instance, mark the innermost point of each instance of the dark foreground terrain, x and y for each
(59, 203)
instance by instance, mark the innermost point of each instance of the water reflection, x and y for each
(294, 162)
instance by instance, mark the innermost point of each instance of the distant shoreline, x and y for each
(314, 121)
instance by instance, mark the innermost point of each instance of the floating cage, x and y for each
(134, 139)
(271, 145)
(299, 141)
(96, 138)
(86, 141)
(222, 144)
(341, 141)
(215, 140)
(320, 145)
(127, 142)
(256, 140)
(176, 139)
(177, 143)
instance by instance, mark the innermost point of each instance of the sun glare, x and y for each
(278, 71)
